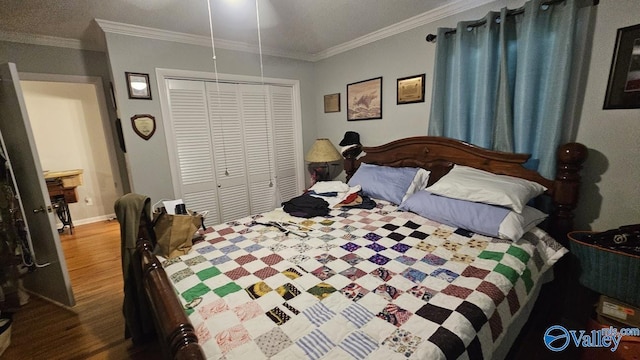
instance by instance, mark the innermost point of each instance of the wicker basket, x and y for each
(606, 271)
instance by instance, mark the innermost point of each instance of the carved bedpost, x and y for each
(566, 189)
(175, 331)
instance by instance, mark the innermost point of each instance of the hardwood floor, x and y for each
(94, 328)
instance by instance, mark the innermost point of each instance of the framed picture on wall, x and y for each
(364, 100)
(332, 103)
(410, 89)
(623, 89)
(138, 86)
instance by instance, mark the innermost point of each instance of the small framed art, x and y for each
(410, 89)
(332, 103)
(623, 88)
(138, 86)
(364, 100)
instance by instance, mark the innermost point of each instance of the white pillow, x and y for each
(467, 183)
(329, 186)
(515, 225)
(419, 182)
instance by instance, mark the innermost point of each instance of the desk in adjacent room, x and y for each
(62, 191)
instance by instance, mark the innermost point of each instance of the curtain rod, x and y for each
(432, 37)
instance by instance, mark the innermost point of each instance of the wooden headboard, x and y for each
(439, 154)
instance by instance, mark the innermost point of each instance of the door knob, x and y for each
(42, 209)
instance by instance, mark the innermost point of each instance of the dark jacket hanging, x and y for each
(138, 319)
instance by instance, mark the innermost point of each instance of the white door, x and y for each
(284, 140)
(227, 134)
(258, 146)
(234, 146)
(51, 278)
(193, 148)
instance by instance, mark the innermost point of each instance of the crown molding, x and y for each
(199, 40)
(405, 25)
(46, 40)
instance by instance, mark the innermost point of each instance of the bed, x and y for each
(357, 283)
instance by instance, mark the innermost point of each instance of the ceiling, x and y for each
(302, 27)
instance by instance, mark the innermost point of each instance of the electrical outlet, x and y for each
(88, 201)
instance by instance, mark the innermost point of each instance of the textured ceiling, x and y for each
(300, 26)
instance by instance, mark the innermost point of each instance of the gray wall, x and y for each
(398, 56)
(55, 60)
(148, 160)
(611, 190)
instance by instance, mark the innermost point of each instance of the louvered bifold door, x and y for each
(193, 150)
(258, 145)
(284, 134)
(226, 130)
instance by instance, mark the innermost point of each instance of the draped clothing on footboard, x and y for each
(375, 284)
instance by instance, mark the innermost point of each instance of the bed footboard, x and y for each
(175, 332)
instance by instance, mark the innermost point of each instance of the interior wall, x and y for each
(69, 133)
(148, 160)
(610, 191)
(395, 57)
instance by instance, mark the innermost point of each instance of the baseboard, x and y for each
(92, 220)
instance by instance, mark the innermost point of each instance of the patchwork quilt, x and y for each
(378, 284)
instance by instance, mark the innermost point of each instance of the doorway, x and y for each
(72, 131)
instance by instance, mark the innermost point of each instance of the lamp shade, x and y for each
(322, 151)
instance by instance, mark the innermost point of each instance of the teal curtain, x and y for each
(503, 85)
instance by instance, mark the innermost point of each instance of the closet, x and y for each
(234, 145)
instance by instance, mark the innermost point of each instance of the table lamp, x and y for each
(322, 153)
